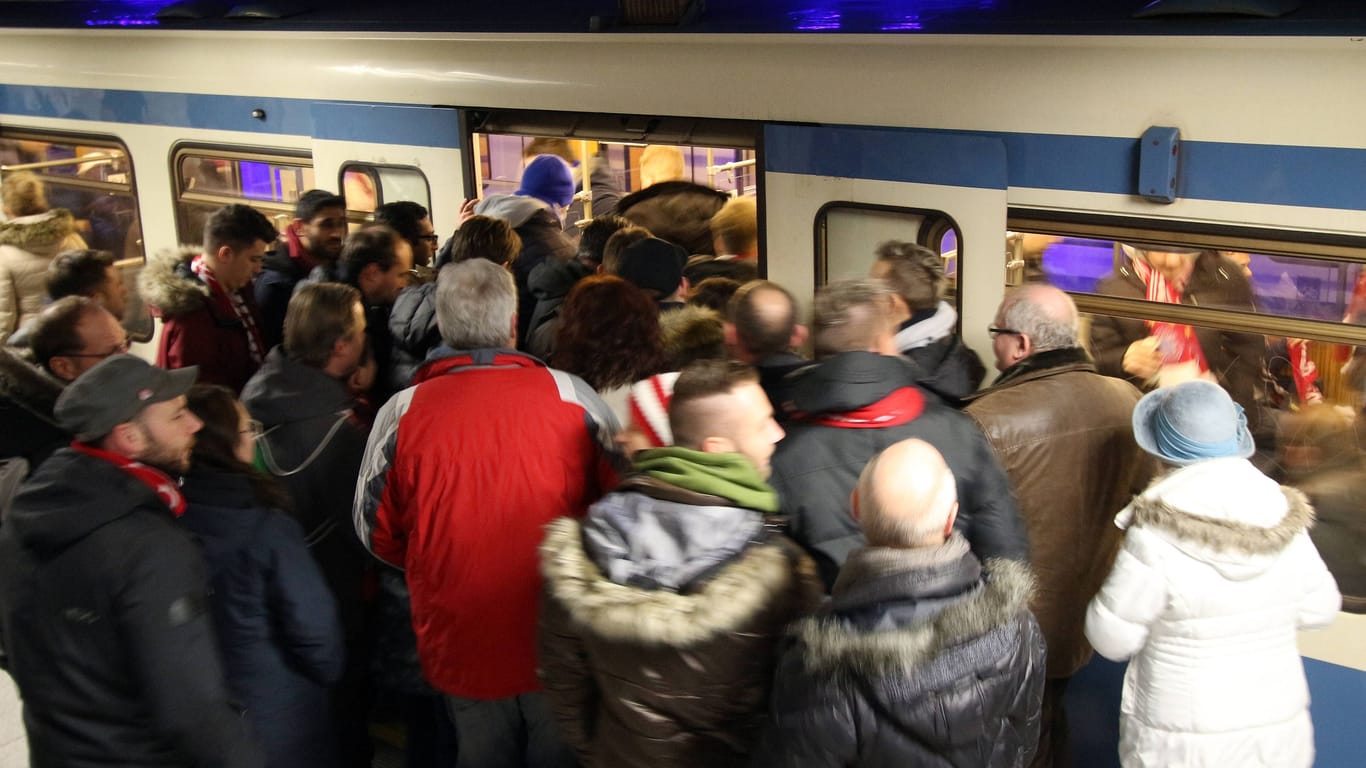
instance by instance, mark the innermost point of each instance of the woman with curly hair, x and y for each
(609, 336)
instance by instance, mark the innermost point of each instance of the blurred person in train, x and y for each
(552, 280)
(67, 339)
(205, 300)
(379, 263)
(462, 472)
(762, 329)
(860, 397)
(313, 238)
(609, 336)
(655, 266)
(713, 293)
(81, 272)
(412, 223)
(30, 236)
(314, 442)
(1156, 353)
(412, 321)
(735, 239)
(1216, 574)
(606, 193)
(104, 617)
(536, 213)
(1064, 434)
(673, 209)
(274, 616)
(927, 324)
(925, 654)
(665, 608)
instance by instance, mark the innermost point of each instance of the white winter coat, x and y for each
(1216, 575)
(27, 245)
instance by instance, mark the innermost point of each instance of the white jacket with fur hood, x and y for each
(1216, 575)
(27, 245)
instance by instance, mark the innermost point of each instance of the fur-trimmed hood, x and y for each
(833, 645)
(691, 333)
(28, 386)
(733, 595)
(40, 233)
(167, 285)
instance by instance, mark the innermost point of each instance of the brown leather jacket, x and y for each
(1064, 435)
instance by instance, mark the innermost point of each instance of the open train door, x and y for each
(833, 193)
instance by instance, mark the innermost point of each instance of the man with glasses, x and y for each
(1064, 434)
(412, 223)
(69, 338)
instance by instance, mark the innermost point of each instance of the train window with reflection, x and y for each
(90, 176)
(367, 186)
(850, 234)
(1281, 325)
(208, 178)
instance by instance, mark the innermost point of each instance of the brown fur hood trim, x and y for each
(1226, 535)
(29, 386)
(38, 232)
(737, 592)
(163, 286)
(691, 333)
(832, 646)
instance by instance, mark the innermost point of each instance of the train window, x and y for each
(208, 178)
(367, 186)
(91, 176)
(848, 235)
(1280, 324)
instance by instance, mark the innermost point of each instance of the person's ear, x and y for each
(127, 440)
(717, 445)
(225, 254)
(953, 518)
(62, 367)
(853, 503)
(800, 334)
(512, 333)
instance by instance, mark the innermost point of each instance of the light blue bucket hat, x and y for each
(1192, 422)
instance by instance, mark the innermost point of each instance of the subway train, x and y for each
(1038, 144)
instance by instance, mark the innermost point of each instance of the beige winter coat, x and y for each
(27, 245)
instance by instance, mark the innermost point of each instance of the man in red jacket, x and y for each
(461, 475)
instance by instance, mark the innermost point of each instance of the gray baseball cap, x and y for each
(115, 391)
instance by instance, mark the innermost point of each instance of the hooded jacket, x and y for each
(922, 659)
(27, 245)
(661, 624)
(27, 397)
(847, 409)
(1216, 575)
(551, 282)
(275, 618)
(412, 325)
(542, 240)
(948, 367)
(196, 330)
(1072, 468)
(677, 211)
(105, 627)
(273, 288)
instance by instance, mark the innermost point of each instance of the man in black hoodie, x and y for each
(103, 608)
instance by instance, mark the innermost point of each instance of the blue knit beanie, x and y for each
(548, 179)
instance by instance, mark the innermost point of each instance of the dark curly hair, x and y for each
(609, 333)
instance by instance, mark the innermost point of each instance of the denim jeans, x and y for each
(517, 732)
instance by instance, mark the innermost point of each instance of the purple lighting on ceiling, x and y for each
(814, 19)
(903, 23)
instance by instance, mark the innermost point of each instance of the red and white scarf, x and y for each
(231, 300)
(166, 489)
(1177, 342)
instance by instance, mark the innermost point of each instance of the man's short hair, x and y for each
(915, 273)
(22, 193)
(1033, 320)
(319, 315)
(619, 241)
(692, 417)
(485, 237)
(546, 145)
(55, 330)
(475, 303)
(736, 225)
(762, 334)
(593, 239)
(313, 201)
(402, 217)
(661, 162)
(375, 244)
(79, 272)
(849, 315)
(238, 227)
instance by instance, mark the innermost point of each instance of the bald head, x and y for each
(906, 497)
(764, 316)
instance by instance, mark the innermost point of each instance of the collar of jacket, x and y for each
(934, 325)
(444, 360)
(831, 643)
(1226, 536)
(849, 381)
(39, 231)
(1040, 364)
(902, 406)
(730, 476)
(725, 602)
(32, 388)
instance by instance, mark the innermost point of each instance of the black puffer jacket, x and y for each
(551, 282)
(412, 324)
(105, 626)
(542, 240)
(849, 408)
(27, 396)
(923, 660)
(677, 211)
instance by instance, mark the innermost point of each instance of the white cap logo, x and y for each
(144, 394)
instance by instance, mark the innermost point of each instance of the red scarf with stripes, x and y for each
(231, 301)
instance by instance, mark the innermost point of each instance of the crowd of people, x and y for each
(579, 496)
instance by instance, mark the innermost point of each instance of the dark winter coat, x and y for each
(606, 194)
(1065, 436)
(551, 282)
(773, 379)
(850, 407)
(936, 664)
(196, 330)
(27, 397)
(542, 240)
(276, 620)
(273, 288)
(412, 324)
(667, 677)
(947, 367)
(105, 626)
(677, 211)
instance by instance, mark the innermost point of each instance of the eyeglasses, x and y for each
(123, 347)
(254, 428)
(432, 238)
(994, 331)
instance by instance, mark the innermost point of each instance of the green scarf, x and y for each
(728, 475)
